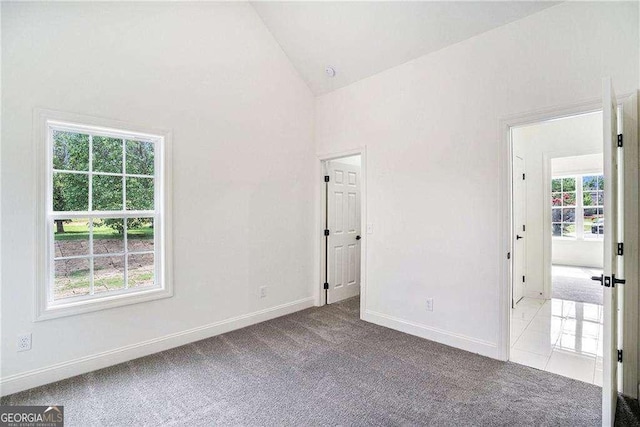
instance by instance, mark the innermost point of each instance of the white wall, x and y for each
(580, 253)
(540, 145)
(583, 164)
(434, 157)
(213, 75)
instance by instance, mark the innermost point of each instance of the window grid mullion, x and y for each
(90, 209)
(90, 189)
(124, 207)
(579, 211)
(106, 255)
(102, 214)
(128, 175)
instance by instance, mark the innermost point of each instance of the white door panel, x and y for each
(613, 222)
(344, 226)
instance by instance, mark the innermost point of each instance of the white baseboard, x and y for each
(37, 377)
(463, 342)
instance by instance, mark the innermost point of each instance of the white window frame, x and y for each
(47, 121)
(579, 206)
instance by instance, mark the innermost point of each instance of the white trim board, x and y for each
(459, 341)
(630, 339)
(37, 377)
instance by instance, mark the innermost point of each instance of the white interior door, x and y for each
(612, 224)
(343, 261)
(519, 230)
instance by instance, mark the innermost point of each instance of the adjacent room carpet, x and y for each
(577, 286)
(321, 366)
(627, 412)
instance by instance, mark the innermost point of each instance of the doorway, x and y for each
(619, 280)
(556, 315)
(342, 234)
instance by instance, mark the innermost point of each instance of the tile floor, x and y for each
(559, 336)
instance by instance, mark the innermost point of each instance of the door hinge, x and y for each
(522, 279)
(620, 138)
(523, 176)
(508, 255)
(620, 248)
(619, 355)
(326, 285)
(326, 178)
(524, 227)
(326, 232)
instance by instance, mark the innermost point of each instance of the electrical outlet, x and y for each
(263, 291)
(430, 304)
(370, 228)
(24, 342)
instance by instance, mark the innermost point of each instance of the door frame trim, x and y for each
(319, 223)
(505, 123)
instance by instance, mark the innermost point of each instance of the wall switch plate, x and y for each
(370, 228)
(263, 291)
(24, 342)
(430, 304)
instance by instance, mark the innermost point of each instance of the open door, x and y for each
(612, 274)
(343, 245)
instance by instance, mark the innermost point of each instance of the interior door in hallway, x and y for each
(519, 229)
(344, 230)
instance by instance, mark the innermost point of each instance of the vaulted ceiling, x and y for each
(360, 39)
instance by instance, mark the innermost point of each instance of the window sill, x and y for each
(72, 308)
(575, 239)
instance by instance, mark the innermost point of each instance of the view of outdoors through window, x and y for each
(103, 214)
(577, 207)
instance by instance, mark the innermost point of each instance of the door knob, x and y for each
(616, 281)
(358, 237)
(519, 237)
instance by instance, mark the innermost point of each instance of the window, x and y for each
(563, 210)
(593, 206)
(577, 207)
(105, 240)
